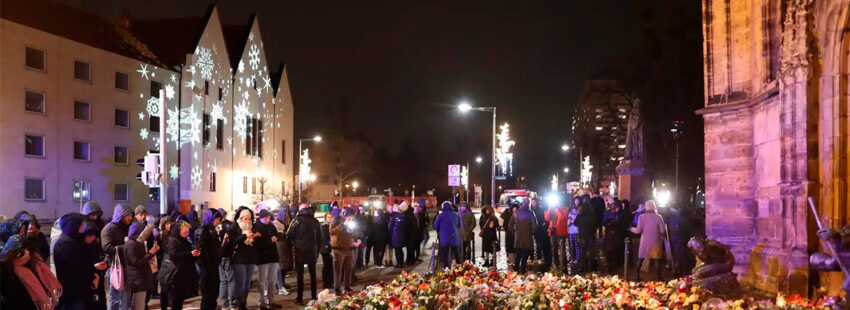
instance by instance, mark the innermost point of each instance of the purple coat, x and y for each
(447, 224)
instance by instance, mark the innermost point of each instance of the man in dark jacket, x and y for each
(467, 231)
(210, 244)
(541, 234)
(377, 239)
(73, 270)
(267, 259)
(112, 238)
(362, 220)
(447, 225)
(137, 269)
(524, 223)
(94, 214)
(325, 250)
(398, 235)
(94, 255)
(413, 232)
(305, 234)
(37, 241)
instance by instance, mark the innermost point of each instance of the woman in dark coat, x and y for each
(325, 251)
(377, 239)
(26, 282)
(398, 229)
(74, 271)
(180, 252)
(161, 239)
(284, 247)
(489, 229)
(506, 216)
(137, 268)
(267, 259)
(524, 223)
(244, 259)
(94, 253)
(413, 235)
(210, 244)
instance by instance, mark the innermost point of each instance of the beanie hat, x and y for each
(141, 209)
(264, 213)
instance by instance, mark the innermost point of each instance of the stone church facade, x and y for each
(776, 132)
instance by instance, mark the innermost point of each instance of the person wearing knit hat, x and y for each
(267, 259)
(141, 214)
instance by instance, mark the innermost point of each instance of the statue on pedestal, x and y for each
(714, 268)
(634, 137)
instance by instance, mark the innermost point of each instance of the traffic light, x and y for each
(150, 172)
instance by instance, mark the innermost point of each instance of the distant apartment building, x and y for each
(600, 125)
(79, 105)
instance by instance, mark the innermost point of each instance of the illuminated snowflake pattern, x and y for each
(240, 115)
(141, 116)
(153, 106)
(169, 91)
(173, 172)
(195, 124)
(217, 112)
(205, 62)
(267, 83)
(172, 129)
(173, 78)
(254, 57)
(196, 177)
(143, 133)
(143, 70)
(190, 84)
(241, 66)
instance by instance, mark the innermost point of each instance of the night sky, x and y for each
(400, 66)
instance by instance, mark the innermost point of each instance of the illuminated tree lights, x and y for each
(504, 156)
(304, 167)
(586, 172)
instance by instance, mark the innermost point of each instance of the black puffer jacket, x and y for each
(73, 269)
(137, 269)
(266, 249)
(305, 234)
(179, 251)
(243, 253)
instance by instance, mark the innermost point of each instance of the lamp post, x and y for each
(465, 107)
(301, 182)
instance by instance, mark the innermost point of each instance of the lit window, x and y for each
(82, 70)
(153, 194)
(120, 192)
(598, 115)
(623, 110)
(34, 102)
(34, 58)
(621, 146)
(212, 181)
(82, 111)
(33, 189)
(81, 190)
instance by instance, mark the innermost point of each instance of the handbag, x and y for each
(167, 271)
(116, 272)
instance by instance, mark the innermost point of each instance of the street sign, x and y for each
(454, 175)
(454, 181)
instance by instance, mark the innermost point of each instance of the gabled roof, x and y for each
(172, 38)
(79, 26)
(236, 37)
(276, 77)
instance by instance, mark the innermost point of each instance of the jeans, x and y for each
(343, 268)
(242, 277)
(210, 285)
(327, 270)
(559, 253)
(265, 282)
(118, 300)
(299, 272)
(226, 287)
(544, 247)
(521, 262)
(139, 300)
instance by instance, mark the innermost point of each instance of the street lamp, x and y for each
(566, 170)
(301, 182)
(565, 147)
(355, 185)
(466, 107)
(478, 159)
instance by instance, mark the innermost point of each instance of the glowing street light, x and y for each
(317, 138)
(465, 107)
(565, 147)
(478, 159)
(566, 170)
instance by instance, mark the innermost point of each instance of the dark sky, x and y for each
(400, 64)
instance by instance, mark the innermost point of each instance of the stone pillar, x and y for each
(632, 181)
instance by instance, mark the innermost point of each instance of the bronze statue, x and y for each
(634, 136)
(714, 268)
(840, 241)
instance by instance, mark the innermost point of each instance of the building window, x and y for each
(121, 155)
(122, 118)
(283, 152)
(206, 128)
(244, 185)
(155, 87)
(153, 194)
(253, 185)
(219, 134)
(154, 124)
(34, 102)
(248, 138)
(82, 111)
(212, 181)
(120, 192)
(82, 151)
(259, 150)
(122, 81)
(81, 191)
(254, 83)
(34, 145)
(33, 189)
(206, 87)
(82, 71)
(220, 94)
(34, 58)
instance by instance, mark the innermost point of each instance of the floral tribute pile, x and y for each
(468, 287)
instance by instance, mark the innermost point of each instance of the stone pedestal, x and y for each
(632, 182)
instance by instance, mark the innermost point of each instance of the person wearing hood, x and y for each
(112, 238)
(74, 271)
(161, 239)
(209, 243)
(413, 235)
(488, 224)
(137, 269)
(506, 217)
(398, 228)
(467, 232)
(26, 282)
(267, 258)
(179, 251)
(244, 258)
(11, 227)
(343, 242)
(305, 234)
(94, 214)
(447, 225)
(284, 247)
(376, 241)
(38, 242)
(94, 254)
(325, 251)
(524, 223)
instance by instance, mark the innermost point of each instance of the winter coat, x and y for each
(266, 249)
(489, 226)
(342, 238)
(413, 231)
(305, 234)
(363, 225)
(423, 219)
(447, 225)
(112, 235)
(325, 246)
(506, 218)
(597, 205)
(378, 235)
(467, 232)
(179, 251)
(283, 244)
(651, 229)
(93, 208)
(586, 223)
(243, 253)
(72, 269)
(558, 218)
(13, 293)
(572, 229)
(524, 223)
(399, 228)
(38, 243)
(542, 230)
(137, 269)
(209, 242)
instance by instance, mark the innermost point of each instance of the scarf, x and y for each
(41, 284)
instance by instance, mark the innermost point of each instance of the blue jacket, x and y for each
(398, 228)
(447, 224)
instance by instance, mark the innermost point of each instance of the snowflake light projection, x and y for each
(169, 91)
(504, 156)
(173, 172)
(217, 111)
(586, 172)
(173, 78)
(143, 133)
(190, 85)
(241, 66)
(196, 177)
(240, 115)
(141, 116)
(267, 84)
(205, 62)
(172, 129)
(153, 106)
(194, 123)
(254, 57)
(143, 70)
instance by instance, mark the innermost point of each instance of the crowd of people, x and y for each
(125, 262)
